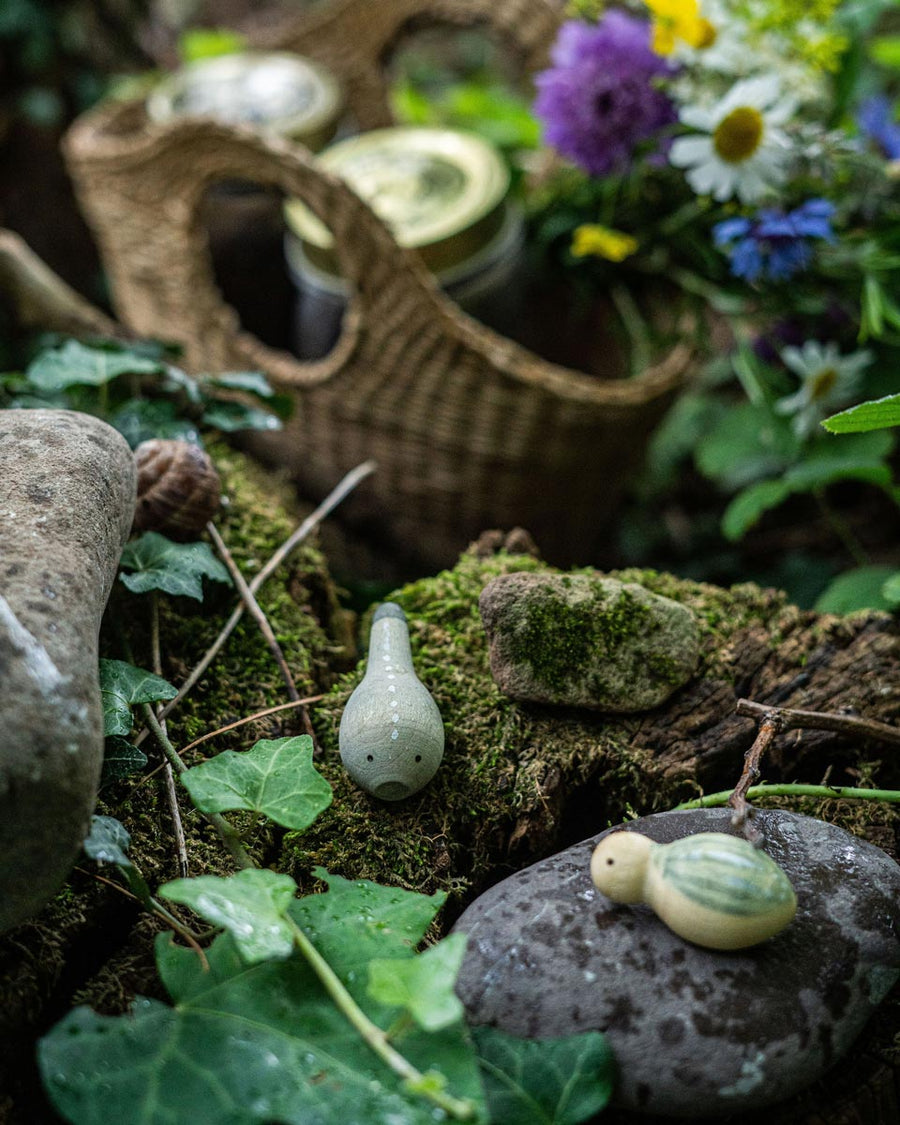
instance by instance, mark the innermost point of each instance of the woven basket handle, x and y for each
(356, 39)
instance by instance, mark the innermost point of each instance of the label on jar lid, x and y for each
(279, 92)
(440, 191)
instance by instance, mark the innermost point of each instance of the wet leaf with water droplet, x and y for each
(251, 906)
(422, 985)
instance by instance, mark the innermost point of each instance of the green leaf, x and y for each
(357, 921)
(108, 841)
(243, 1045)
(876, 415)
(209, 42)
(422, 985)
(544, 1081)
(747, 444)
(120, 758)
(250, 905)
(750, 504)
(861, 588)
(174, 568)
(891, 590)
(141, 419)
(276, 778)
(232, 416)
(121, 685)
(885, 50)
(74, 364)
(253, 382)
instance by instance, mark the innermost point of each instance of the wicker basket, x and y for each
(469, 430)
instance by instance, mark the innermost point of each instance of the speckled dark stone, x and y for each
(67, 484)
(696, 1033)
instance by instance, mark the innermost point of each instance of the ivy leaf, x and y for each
(253, 382)
(174, 568)
(231, 416)
(860, 588)
(356, 921)
(120, 758)
(75, 364)
(244, 1045)
(276, 778)
(544, 1081)
(143, 418)
(121, 685)
(422, 985)
(108, 841)
(875, 415)
(250, 905)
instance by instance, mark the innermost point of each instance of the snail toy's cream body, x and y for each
(712, 889)
(391, 737)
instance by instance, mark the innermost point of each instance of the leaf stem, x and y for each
(833, 792)
(226, 830)
(460, 1108)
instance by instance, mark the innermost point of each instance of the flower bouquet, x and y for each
(745, 154)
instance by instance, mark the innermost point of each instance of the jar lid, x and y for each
(441, 191)
(277, 91)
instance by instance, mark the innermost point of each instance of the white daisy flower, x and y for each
(827, 380)
(745, 151)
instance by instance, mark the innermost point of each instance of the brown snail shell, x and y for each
(178, 488)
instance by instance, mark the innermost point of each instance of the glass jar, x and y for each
(276, 92)
(445, 194)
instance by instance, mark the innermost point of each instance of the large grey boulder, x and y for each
(583, 640)
(67, 485)
(696, 1033)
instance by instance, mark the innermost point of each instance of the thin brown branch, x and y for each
(331, 501)
(793, 719)
(171, 791)
(768, 728)
(261, 620)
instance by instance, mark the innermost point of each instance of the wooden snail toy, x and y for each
(391, 736)
(711, 889)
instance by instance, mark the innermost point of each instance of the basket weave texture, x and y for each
(469, 429)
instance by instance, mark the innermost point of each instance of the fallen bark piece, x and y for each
(584, 640)
(67, 485)
(695, 1032)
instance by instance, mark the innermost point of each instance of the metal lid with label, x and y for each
(277, 91)
(441, 191)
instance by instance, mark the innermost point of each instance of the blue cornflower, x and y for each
(775, 244)
(876, 119)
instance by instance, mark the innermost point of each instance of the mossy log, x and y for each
(518, 781)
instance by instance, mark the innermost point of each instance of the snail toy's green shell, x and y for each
(712, 889)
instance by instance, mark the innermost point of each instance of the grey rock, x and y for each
(587, 641)
(695, 1032)
(67, 484)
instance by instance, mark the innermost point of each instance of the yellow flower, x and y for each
(602, 242)
(679, 19)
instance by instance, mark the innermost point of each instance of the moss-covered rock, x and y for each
(587, 641)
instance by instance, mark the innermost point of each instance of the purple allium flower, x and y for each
(774, 245)
(599, 101)
(876, 120)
